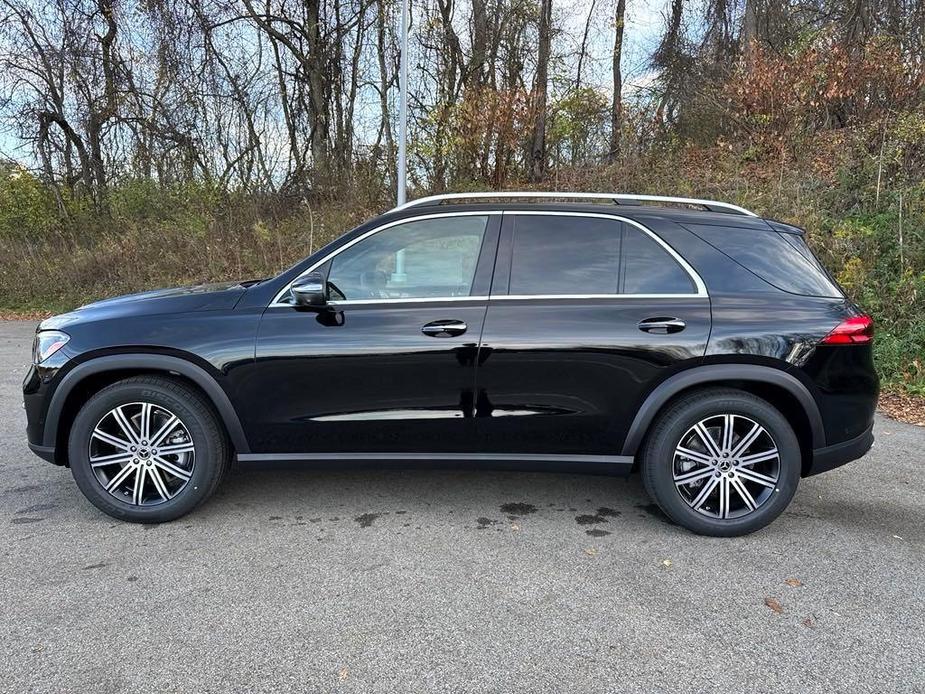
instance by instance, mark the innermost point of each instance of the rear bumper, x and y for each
(831, 457)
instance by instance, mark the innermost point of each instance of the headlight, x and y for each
(47, 343)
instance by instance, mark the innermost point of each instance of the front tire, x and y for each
(148, 449)
(722, 462)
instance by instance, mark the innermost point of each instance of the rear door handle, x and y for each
(662, 325)
(444, 328)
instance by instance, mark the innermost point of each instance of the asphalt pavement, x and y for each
(304, 580)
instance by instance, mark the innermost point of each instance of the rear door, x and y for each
(587, 313)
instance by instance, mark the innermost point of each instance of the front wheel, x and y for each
(722, 462)
(147, 449)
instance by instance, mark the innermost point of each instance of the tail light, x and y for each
(857, 330)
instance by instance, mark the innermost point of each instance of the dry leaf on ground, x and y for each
(794, 582)
(591, 551)
(774, 604)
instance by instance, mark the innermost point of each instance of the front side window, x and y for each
(574, 255)
(430, 258)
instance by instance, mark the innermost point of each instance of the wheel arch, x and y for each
(780, 388)
(79, 384)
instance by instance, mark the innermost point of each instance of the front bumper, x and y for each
(37, 392)
(831, 457)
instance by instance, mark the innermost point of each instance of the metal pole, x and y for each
(403, 106)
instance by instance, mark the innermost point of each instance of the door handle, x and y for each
(444, 328)
(662, 325)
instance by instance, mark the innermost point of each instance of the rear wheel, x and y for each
(722, 462)
(147, 450)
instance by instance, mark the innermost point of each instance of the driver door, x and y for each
(388, 366)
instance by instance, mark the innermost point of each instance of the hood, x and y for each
(201, 297)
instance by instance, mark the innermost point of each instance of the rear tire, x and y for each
(148, 449)
(716, 489)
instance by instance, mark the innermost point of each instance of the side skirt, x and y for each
(591, 464)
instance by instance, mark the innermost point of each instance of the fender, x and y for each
(154, 362)
(703, 375)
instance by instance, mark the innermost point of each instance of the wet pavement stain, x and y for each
(514, 510)
(600, 516)
(589, 519)
(608, 512)
(485, 522)
(597, 532)
(367, 519)
(21, 521)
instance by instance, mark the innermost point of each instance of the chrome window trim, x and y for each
(698, 282)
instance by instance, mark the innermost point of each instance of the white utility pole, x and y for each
(403, 106)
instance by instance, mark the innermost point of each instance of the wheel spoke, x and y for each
(747, 441)
(693, 455)
(139, 488)
(175, 449)
(173, 469)
(144, 421)
(757, 477)
(705, 492)
(111, 440)
(723, 497)
(124, 424)
(707, 439)
(758, 458)
(689, 477)
(728, 431)
(101, 460)
(744, 494)
(158, 482)
(164, 430)
(120, 477)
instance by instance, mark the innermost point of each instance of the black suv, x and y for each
(690, 339)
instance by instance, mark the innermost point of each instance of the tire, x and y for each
(193, 458)
(678, 481)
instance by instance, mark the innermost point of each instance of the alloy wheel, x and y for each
(142, 453)
(726, 466)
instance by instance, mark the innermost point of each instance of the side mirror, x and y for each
(309, 290)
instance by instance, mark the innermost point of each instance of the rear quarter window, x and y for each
(783, 260)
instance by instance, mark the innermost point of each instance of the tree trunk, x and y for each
(538, 145)
(616, 114)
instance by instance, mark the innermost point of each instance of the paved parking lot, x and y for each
(297, 580)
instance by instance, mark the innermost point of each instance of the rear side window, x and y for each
(782, 260)
(560, 255)
(565, 255)
(648, 268)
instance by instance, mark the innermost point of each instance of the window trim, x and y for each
(695, 278)
(701, 289)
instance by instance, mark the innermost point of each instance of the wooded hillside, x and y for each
(162, 141)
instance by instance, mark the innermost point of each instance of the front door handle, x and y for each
(444, 328)
(662, 325)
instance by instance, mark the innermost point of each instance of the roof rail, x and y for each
(617, 198)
